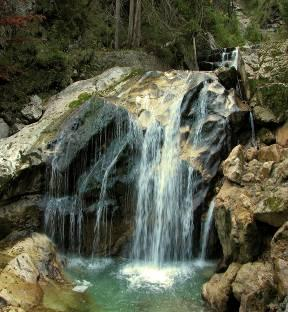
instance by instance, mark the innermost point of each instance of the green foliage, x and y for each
(283, 6)
(253, 34)
(224, 28)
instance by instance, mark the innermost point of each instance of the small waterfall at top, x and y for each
(207, 230)
(253, 136)
(224, 57)
(230, 58)
(234, 59)
(164, 216)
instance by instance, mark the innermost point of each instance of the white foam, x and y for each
(149, 275)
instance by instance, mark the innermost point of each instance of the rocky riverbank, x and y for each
(251, 210)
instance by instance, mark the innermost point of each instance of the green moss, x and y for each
(82, 98)
(137, 72)
(274, 203)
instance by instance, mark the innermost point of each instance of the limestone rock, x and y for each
(235, 224)
(16, 292)
(28, 147)
(279, 256)
(282, 135)
(42, 253)
(34, 110)
(23, 267)
(253, 286)
(11, 309)
(218, 291)
(258, 191)
(32, 261)
(270, 153)
(233, 166)
(4, 129)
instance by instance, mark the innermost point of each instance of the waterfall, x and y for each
(70, 189)
(165, 214)
(253, 136)
(234, 59)
(230, 59)
(159, 158)
(224, 57)
(206, 231)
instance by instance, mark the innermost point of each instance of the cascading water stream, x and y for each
(253, 136)
(206, 231)
(224, 57)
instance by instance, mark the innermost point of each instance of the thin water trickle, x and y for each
(207, 230)
(64, 211)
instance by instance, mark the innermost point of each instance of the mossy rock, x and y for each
(275, 97)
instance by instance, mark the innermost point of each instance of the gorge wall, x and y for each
(90, 134)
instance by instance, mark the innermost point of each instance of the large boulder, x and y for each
(31, 262)
(235, 223)
(28, 148)
(218, 291)
(42, 253)
(282, 135)
(34, 110)
(254, 287)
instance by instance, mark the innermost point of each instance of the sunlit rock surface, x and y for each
(27, 262)
(255, 190)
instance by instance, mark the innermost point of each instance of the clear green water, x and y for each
(125, 286)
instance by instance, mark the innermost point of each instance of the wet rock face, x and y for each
(20, 215)
(28, 148)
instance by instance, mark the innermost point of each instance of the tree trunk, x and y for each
(131, 22)
(117, 23)
(134, 28)
(195, 54)
(137, 25)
